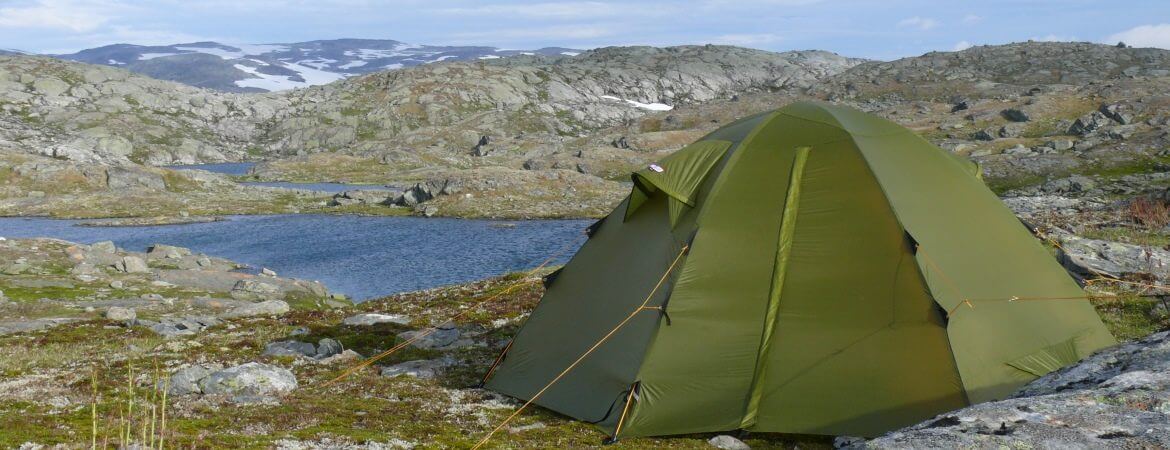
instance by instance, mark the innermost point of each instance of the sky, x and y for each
(871, 29)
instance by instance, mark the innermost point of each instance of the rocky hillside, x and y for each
(1032, 114)
(89, 113)
(85, 112)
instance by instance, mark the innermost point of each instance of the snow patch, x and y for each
(281, 82)
(570, 53)
(244, 50)
(352, 64)
(489, 57)
(114, 62)
(215, 51)
(647, 106)
(317, 63)
(393, 66)
(441, 58)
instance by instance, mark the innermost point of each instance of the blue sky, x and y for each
(871, 29)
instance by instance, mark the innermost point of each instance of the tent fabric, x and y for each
(678, 176)
(832, 258)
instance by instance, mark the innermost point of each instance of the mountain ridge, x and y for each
(281, 66)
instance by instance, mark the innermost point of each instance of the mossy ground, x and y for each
(366, 407)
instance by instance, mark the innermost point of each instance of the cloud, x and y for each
(746, 39)
(921, 23)
(66, 15)
(566, 10)
(1053, 38)
(972, 19)
(961, 45)
(1144, 36)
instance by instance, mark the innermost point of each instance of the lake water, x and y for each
(362, 257)
(236, 168)
(242, 168)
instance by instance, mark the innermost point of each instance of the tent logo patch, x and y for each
(657, 168)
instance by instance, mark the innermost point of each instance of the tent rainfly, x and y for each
(812, 269)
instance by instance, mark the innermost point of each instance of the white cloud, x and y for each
(566, 10)
(972, 19)
(1144, 36)
(961, 45)
(746, 39)
(921, 23)
(68, 15)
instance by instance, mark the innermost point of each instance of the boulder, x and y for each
(1116, 113)
(327, 347)
(129, 180)
(186, 380)
(1089, 123)
(1088, 257)
(103, 247)
(1075, 184)
(250, 382)
(1012, 130)
(988, 134)
(375, 318)
(266, 308)
(363, 197)
(1016, 115)
(120, 314)
(255, 290)
(131, 264)
(167, 252)
(290, 348)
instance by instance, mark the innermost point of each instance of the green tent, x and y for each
(836, 274)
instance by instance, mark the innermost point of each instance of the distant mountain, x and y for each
(276, 67)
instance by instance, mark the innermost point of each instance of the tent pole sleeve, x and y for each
(780, 269)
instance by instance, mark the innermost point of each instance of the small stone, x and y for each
(726, 442)
(267, 272)
(117, 284)
(425, 368)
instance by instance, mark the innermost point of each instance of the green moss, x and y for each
(1131, 317)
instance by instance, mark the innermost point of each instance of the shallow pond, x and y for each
(362, 257)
